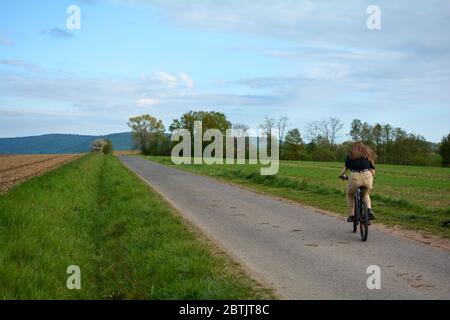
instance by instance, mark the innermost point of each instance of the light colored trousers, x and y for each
(356, 180)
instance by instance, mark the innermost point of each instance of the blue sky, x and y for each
(307, 60)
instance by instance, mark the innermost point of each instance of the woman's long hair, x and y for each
(360, 150)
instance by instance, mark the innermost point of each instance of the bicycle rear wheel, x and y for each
(364, 221)
(356, 214)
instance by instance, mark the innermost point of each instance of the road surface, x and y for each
(301, 253)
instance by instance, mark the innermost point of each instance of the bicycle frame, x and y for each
(361, 215)
(358, 203)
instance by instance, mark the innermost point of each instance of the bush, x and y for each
(292, 152)
(108, 147)
(159, 145)
(323, 153)
(444, 151)
(97, 145)
(342, 151)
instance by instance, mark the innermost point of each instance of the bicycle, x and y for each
(361, 213)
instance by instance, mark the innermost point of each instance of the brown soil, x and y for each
(126, 152)
(15, 169)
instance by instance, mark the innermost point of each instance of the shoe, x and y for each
(351, 218)
(371, 215)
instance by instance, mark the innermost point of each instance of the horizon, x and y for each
(69, 134)
(304, 60)
(113, 133)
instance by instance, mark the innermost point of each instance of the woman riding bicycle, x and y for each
(361, 163)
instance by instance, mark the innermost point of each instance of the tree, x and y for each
(97, 145)
(342, 151)
(323, 152)
(444, 150)
(327, 129)
(267, 126)
(399, 133)
(355, 130)
(240, 129)
(209, 119)
(410, 149)
(366, 134)
(332, 127)
(293, 146)
(313, 130)
(377, 133)
(147, 131)
(282, 123)
(293, 137)
(386, 136)
(108, 147)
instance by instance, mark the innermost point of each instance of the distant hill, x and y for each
(61, 143)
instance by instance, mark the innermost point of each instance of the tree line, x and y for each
(392, 145)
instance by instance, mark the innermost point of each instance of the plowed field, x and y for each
(15, 169)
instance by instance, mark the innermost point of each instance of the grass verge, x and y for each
(127, 241)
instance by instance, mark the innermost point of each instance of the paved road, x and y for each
(301, 253)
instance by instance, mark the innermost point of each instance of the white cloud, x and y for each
(167, 79)
(144, 102)
(5, 42)
(316, 23)
(186, 79)
(325, 73)
(21, 64)
(117, 99)
(174, 81)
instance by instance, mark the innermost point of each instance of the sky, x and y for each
(307, 60)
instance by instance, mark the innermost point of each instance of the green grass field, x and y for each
(129, 244)
(417, 198)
